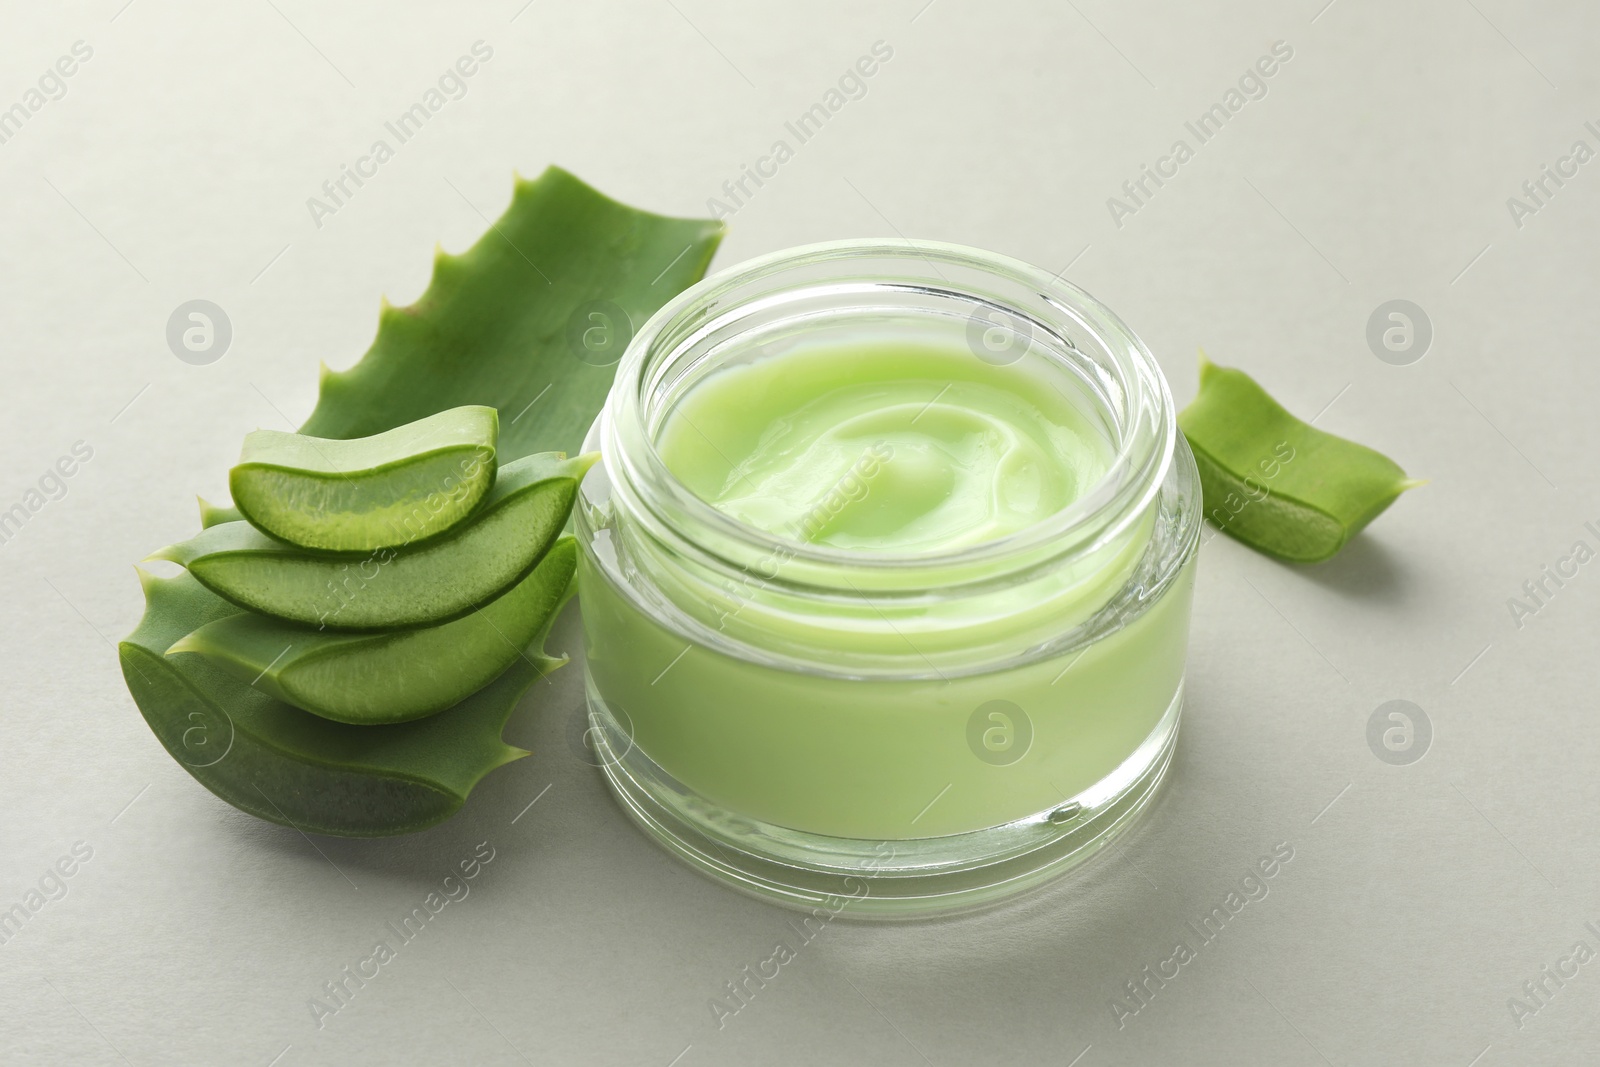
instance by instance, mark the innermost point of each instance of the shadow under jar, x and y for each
(886, 577)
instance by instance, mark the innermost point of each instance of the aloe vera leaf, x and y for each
(284, 765)
(422, 585)
(217, 514)
(494, 326)
(387, 677)
(1278, 484)
(489, 330)
(359, 495)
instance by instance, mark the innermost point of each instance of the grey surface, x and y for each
(1420, 896)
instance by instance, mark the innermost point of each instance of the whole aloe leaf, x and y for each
(496, 327)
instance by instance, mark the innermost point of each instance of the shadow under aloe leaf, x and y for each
(407, 863)
(1365, 569)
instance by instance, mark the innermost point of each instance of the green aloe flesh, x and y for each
(1276, 483)
(396, 487)
(420, 585)
(493, 328)
(387, 677)
(281, 764)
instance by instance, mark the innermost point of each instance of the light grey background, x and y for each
(1420, 897)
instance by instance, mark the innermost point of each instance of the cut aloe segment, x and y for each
(276, 762)
(390, 677)
(394, 488)
(1278, 484)
(422, 585)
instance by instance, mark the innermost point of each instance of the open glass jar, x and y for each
(887, 734)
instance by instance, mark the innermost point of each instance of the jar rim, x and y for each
(1137, 468)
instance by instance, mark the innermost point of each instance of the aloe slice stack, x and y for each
(417, 629)
(438, 620)
(391, 676)
(454, 571)
(378, 711)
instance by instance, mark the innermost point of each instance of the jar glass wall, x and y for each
(889, 732)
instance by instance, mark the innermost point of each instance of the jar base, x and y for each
(864, 879)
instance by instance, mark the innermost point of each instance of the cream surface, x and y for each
(884, 446)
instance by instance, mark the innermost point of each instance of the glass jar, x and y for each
(865, 732)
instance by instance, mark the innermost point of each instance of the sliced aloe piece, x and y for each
(1278, 484)
(279, 763)
(387, 677)
(394, 488)
(422, 585)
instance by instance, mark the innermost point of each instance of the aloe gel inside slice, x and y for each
(397, 487)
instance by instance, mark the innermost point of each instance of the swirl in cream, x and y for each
(886, 446)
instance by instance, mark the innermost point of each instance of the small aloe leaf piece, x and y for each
(1278, 484)
(393, 488)
(421, 585)
(389, 677)
(281, 764)
(507, 323)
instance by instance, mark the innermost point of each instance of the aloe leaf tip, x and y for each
(186, 643)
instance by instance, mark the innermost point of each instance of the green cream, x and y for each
(970, 451)
(890, 450)
(872, 759)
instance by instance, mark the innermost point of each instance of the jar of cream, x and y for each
(886, 577)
